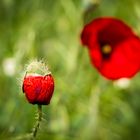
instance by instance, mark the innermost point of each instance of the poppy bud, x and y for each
(38, 84)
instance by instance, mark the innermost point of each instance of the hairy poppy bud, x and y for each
(38, 84)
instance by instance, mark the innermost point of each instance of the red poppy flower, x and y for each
(113, 47)
(38, 89)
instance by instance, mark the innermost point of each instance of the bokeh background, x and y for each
(85, 105)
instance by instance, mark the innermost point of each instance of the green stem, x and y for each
(37, 125)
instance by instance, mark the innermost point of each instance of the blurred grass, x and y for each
(85, 105)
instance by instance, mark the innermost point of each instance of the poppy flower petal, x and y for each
(122, 58)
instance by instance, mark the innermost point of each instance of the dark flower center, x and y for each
(106, 51)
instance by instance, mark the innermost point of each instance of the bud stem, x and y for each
(37, 125)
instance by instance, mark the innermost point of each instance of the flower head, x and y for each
(38, 84)
(113, 47)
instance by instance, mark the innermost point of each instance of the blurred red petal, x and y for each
(124, 59)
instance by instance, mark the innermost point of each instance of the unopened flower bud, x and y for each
(38, 84)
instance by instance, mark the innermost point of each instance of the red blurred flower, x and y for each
(113, 47)
(38, 89)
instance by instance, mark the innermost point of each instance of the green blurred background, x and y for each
(85, 106)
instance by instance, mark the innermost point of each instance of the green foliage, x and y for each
(85, 106)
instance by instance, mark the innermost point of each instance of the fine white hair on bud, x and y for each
(37, 68)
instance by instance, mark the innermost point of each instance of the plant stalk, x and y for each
(37, 125)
